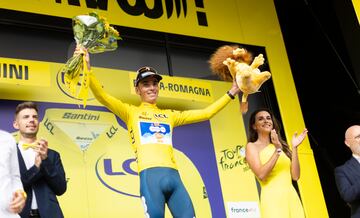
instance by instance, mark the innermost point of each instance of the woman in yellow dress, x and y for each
(275, 166)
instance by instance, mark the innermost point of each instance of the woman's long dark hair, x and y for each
(253, 135)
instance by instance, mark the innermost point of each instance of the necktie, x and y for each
(29, 145)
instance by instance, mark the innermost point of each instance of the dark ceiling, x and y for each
(326, 84)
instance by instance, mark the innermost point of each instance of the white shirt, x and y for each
(9, 173)
(29, 159)
(357, 157)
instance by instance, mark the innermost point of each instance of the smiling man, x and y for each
(150, 130)
(41, 170)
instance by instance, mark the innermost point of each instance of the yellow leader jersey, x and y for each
(150, 128)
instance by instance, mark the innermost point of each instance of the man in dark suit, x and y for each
(41, 170)
(347, 176)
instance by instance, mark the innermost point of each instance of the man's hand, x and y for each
(80, 50)
(41, 152)
(37, 160)
(234, 89)
(43, 149)
(18, 202)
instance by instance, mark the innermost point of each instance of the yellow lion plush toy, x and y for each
(232, 62)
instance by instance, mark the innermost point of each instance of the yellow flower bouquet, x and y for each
(95, 35)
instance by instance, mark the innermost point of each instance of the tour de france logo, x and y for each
(60, 80)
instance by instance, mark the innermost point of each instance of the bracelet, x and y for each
(230, 95)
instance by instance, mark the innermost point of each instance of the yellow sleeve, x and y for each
(193, 116)
(118, 107)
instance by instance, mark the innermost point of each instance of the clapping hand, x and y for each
(298, 139)
(275, 139)
(41, 152)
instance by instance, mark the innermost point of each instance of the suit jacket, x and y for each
(347, 179)
(47, 182)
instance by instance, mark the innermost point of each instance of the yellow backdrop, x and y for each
(246, 21)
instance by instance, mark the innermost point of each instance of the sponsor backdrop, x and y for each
(93, 143)
(252, 22)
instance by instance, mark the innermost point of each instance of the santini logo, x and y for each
(155, 11)
(86, 116)
(13, 71)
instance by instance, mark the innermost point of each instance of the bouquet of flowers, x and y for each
(92, 34)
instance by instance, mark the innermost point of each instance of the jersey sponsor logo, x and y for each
(118, 175)
(144, 118)
(132, 136)
(161, 116)
(155, 133)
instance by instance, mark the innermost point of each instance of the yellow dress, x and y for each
(278, 198)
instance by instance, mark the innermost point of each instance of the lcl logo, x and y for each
(49, 126)
(156, 11)
(161, 116)
(118, 175)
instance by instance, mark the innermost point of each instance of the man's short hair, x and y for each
(25, 105)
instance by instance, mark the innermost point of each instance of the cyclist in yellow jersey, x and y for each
(150, 132)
